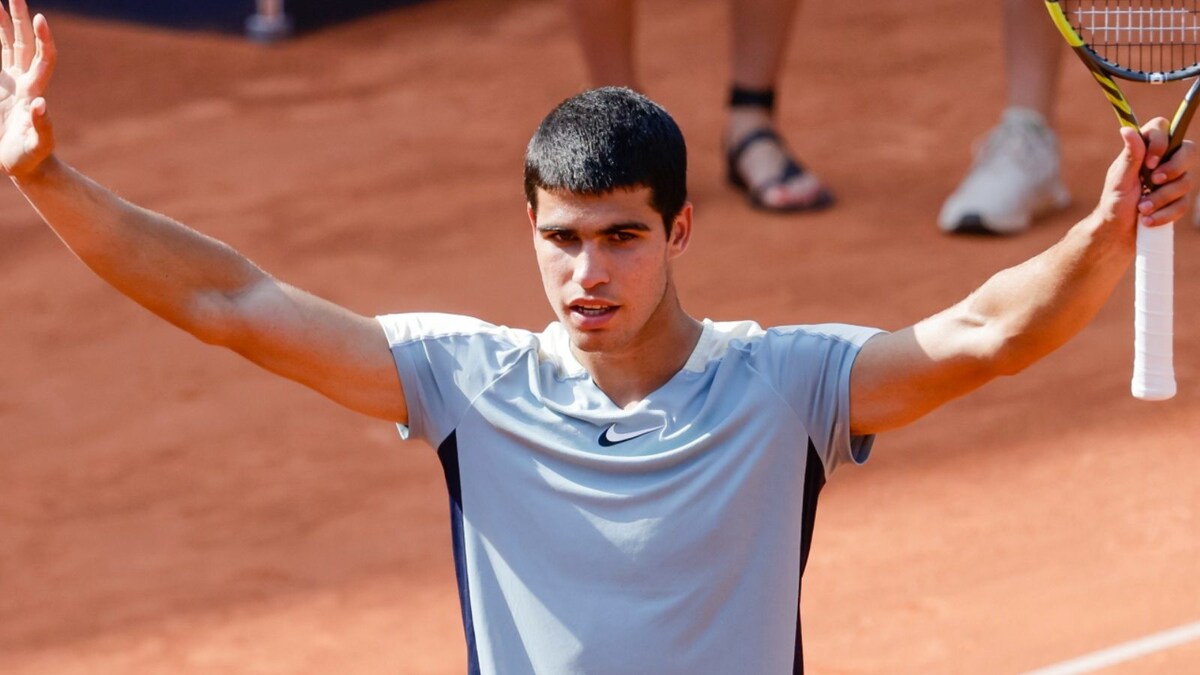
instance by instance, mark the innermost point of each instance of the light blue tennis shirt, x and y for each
(668, 537)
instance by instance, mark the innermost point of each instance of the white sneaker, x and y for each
(1014, 179)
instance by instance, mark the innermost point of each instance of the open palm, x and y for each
(27, 57)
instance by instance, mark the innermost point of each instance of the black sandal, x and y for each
(791, 169)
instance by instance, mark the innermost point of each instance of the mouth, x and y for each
(592, 314)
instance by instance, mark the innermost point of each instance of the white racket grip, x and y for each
(1153, 316)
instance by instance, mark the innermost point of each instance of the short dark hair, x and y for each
(609, 139)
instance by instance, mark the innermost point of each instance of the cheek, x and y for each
(554, 268)
(648, 268)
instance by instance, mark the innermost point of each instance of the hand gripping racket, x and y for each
(1152, 41)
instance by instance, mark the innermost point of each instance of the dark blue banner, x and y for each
(221, 15)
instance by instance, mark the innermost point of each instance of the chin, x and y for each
(593, 341)
(588, 341)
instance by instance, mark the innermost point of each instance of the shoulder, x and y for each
(402, 329)
(721, 337)
(455, 338)
(823, 332)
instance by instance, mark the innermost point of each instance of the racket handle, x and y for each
(1153, 320)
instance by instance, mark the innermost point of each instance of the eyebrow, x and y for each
(611, 229)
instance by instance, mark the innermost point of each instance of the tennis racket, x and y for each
(1151, 41)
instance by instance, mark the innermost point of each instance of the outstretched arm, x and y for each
(191, 280)
(1025, 312)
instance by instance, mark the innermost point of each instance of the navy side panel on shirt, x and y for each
(448, 454)
(814, 480)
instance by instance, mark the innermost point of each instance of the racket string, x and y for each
(1151, 36)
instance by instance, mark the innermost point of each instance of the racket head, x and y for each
(1139, 40)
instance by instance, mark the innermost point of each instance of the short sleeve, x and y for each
(810, 366)
(444, 362)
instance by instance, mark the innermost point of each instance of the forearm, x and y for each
(1025, 312)
(179, 274)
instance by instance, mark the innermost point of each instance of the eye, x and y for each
(560, 236)
(623, 236)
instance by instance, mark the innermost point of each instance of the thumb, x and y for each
(39, 122)
(1123, 183)
(1128, 165)
(37, 141)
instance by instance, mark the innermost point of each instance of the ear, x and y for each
(681, 232)
(532, 214)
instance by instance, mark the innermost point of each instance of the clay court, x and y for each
(168, 508)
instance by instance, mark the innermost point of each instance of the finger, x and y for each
(45, 58)
(1182, 160)
(6, 39)
(1156, 133)
(1164, 197)
(22, 34)
(1168, 214)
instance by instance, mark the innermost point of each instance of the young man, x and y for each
(632, 490)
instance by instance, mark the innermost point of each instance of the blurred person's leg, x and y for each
(759, 162)
(605, 32)
(1015, 176)
(1032, 48)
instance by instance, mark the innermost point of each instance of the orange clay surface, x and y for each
(168, 508)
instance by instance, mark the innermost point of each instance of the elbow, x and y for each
(221, 319)
(239, 320)
(217, 311)
(1009, 353)
(1010, 361)
(213, 321)
(996, 344)
(987, 349)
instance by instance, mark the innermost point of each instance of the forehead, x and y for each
(561, 208)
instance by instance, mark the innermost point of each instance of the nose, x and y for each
(591, 268)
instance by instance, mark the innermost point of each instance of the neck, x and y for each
(653, 357)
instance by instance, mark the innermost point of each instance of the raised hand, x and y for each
(27, 56)
(1123, 200)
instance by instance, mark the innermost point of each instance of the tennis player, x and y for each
(632, 489)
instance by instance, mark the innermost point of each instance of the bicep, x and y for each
(900, 377)
(338, 353)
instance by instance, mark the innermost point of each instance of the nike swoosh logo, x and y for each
(611, 436)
